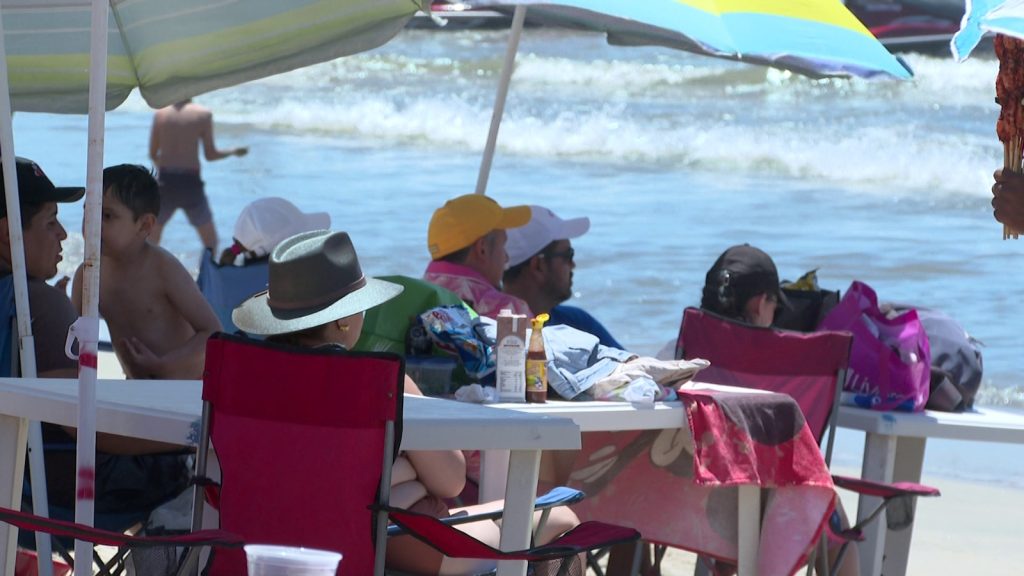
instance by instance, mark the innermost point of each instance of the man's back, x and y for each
(178, 129)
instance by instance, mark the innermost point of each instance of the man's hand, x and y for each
(1008, 199)
(141, 361)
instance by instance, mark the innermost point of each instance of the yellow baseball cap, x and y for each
(463, 220)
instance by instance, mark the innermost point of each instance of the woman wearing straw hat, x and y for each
(316, 298)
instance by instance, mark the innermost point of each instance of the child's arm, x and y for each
(76, 289)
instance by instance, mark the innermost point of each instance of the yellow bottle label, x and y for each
(536, 375)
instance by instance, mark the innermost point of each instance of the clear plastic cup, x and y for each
(267, 560)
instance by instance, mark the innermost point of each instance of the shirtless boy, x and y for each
(159, 321)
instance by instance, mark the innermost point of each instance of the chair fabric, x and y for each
(305, 432)
(301, 432)
(810, 367)
(72, 530)
(225, 287)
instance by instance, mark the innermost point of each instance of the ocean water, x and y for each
(673, 156)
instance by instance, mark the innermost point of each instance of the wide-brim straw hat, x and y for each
(315, 278)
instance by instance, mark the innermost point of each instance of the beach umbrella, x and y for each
(981, 16)
(816, 38)
(75, 56)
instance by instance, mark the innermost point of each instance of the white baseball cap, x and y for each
(543, 228)
(264, 223)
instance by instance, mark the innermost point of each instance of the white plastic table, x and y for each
(169, 411)
(894, 451)
(594, 416)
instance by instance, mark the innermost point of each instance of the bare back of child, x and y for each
(159, 321)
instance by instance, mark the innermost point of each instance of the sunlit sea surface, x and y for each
(674, 157)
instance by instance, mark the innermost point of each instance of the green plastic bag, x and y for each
(386, 327)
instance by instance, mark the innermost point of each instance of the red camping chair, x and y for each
(305, 439)
(809, 367)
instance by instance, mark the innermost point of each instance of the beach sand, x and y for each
(972, 528)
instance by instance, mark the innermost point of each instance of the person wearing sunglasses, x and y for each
(541, 261)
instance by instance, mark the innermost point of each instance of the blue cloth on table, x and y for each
(577, 360)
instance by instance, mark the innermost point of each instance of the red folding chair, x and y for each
(810, 367)
(305, 439)
(65, 529)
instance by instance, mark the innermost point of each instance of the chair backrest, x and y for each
(225, 287)
(305, 441)
(809, 367)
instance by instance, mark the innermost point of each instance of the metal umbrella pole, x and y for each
(86, 328)
(518, 17)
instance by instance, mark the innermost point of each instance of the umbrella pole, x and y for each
(518, 17)
(26, 344)
(87, 327)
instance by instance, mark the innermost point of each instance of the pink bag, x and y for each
(890, 363)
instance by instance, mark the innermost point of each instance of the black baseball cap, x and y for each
(34, 187)
(748, 271)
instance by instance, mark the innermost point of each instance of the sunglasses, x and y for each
(567, 254)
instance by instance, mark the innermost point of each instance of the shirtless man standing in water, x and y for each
(174, 148)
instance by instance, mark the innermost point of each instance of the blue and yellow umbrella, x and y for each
(816, 38)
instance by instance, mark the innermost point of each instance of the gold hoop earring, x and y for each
(343, 327)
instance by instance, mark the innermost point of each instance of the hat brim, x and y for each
(513, 217)
(255, 316)
(67, 194)
(575, 227)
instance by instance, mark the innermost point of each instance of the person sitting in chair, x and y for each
(241, 269)
(743, 284)
(316, 298)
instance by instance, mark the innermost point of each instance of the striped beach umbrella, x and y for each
(173, 49)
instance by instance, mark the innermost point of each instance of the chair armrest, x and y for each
(882, 489)
(558, 496)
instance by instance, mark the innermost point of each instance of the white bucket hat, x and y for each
(264, 223)
(543, 228)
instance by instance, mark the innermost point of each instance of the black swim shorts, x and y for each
(183, 190)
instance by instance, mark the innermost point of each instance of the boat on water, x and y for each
(901, 25)
(910, 25)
